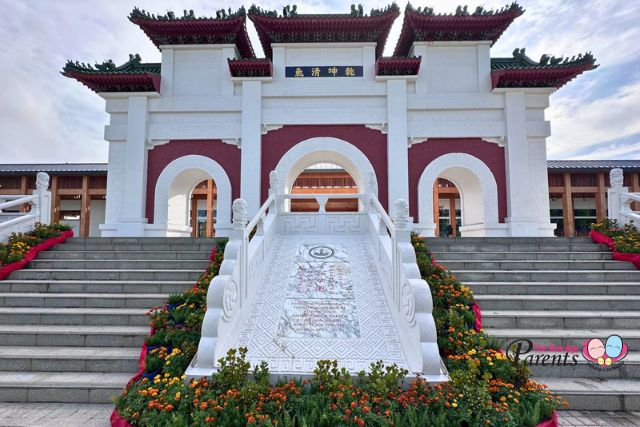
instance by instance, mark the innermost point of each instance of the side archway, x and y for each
(478, 194)
(325, 149)
(174, 186)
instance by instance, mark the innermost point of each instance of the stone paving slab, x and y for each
(54, 415)
(598, 418)
(97, 415)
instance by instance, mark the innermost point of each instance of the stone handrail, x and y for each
(230, 294)
(620, 200)
(22, 222)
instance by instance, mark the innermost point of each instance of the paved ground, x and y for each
(54, 414)
(95, 415)
(598, 418)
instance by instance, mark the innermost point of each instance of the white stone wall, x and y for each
(450, 98)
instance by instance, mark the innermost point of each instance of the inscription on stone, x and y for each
(320, 301)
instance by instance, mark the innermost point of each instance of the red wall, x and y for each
(228, 156)
(371, 142)
(420, 155)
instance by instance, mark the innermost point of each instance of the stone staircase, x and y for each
(72, 323)
(556, 291)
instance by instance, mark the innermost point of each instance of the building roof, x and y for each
(593, 164)
(292, 27)
(522, 71)
(226, 28)
(132, 76)
(56, 168)
(422, 24)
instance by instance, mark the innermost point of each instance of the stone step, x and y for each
(554, 288)
(97, 286)
(142, 264)
(106, 274)
(559, 302)
(564, 337)
(144, 240)
(62, 387)
(73, 316)
(77, 336)
(573, 365)
(596, 395)
(537, 265)
(513, 247)
(520, 256)
(537, 319)
(547, 275)
(142, 246)
(69, 359)
(125, 255)
(88, 300)
(523, 240)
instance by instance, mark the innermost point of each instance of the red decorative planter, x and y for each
(31, 253)
(603, 239)
(553, 422)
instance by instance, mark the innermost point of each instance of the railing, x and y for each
(620, 200)
(407, 294)
(22, 222)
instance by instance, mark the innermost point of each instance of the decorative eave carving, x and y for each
(293, 27)
(226, 27)
(264, 129)
(382, 127)
(520, 71)
(132, 76)
(422, 24)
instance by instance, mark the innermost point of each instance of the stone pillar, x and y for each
(397, 146)
(131, 220)
(520, 217)
(251, 144)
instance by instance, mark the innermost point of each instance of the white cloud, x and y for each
(46, 117)
(576, 125)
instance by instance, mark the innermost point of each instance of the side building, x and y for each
(577, 194)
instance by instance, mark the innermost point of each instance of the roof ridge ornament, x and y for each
(133, 65)
(461, 10)
(189, 15)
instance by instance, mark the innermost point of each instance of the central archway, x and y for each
(478, 195)
(325, 150)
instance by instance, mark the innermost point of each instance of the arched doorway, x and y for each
(175, 188)
(478, 192)
(324, 178)
(326, 150)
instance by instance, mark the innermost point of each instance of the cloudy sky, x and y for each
(45, 117)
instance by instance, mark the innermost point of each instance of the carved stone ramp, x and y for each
(298, 287)
(321, 298)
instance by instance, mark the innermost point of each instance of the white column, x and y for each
(132, 215)
(520, 219)
(397, 146)
(166, 83)
(251, 144)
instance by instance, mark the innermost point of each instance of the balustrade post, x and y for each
(240, 219)
(614, 193)
(43, 197)
(322, 201)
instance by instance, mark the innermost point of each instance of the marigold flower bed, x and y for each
(486, 387)
(22, 248)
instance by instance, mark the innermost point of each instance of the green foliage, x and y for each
(19, 243)
(486, 388)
